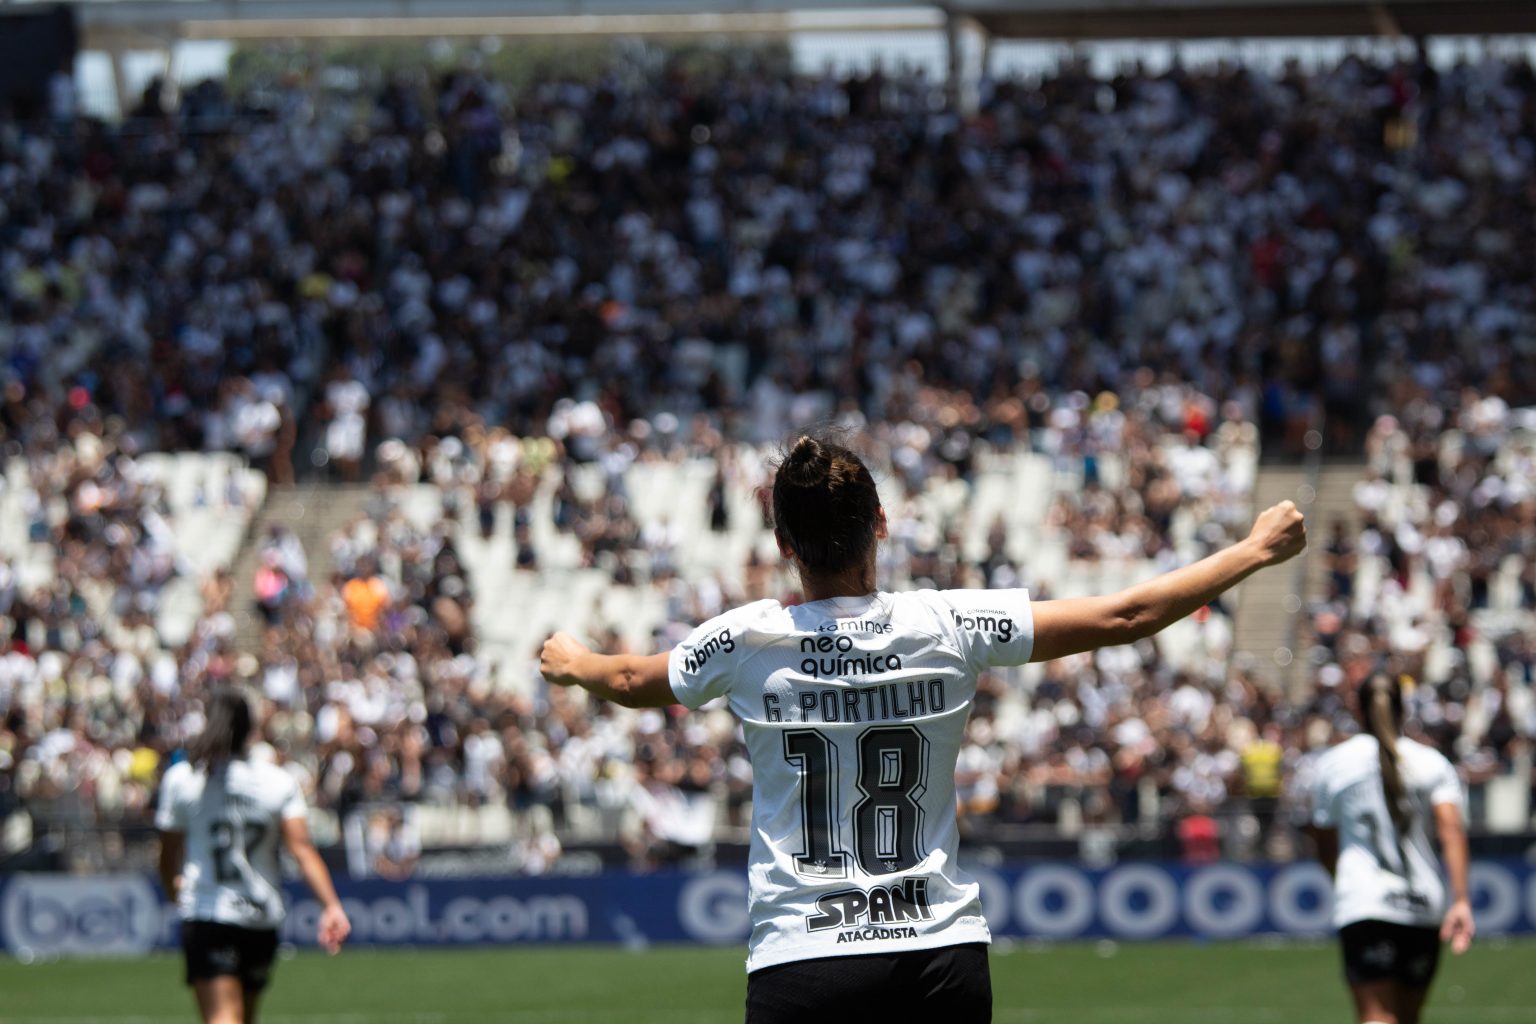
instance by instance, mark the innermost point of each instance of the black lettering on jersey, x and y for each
(839, 667)
(913, 699)
(996, 623)
(240, 803)
(699, 655)
(825, 644)
(869, 700)
(830, 706)
(904, 901)
(917, 697)
(866, 934)
(808, 704)
(854, 626)
(771, 712)
(851, 706)
(1408, 899)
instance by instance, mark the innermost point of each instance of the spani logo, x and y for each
(50, 915)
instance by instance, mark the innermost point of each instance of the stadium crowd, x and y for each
(480, 290)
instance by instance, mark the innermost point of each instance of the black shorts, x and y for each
(951, 984)
(216, 950)
(1383, 951)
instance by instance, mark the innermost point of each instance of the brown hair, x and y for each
(825, 505)
(1381, 708)
(226, 731)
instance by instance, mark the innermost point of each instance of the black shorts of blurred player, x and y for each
(1389, 968)
(227, 967)
(950, 984)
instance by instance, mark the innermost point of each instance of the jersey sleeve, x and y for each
(171, 814)
(994, 627)
(1324, 813)
(293, 800)
(700, 668)
(1446, 787)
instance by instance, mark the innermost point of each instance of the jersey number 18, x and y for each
(887, 822)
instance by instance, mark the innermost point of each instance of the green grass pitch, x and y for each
(1165, 983)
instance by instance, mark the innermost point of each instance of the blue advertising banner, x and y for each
(48, 915)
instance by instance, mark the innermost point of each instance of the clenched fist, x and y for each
(1280, 533)
(557, 661)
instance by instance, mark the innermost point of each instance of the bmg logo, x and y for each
(55, 914)
(996, 623)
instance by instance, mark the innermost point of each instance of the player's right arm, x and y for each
(631, 680)
(1325, 843)
(1074, 625)
(171, 821)
(334, 926)
(173, 847)
(1323, 826)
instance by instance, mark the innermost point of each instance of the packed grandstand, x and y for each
(551, 338)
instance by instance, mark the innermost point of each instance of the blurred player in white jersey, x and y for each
(854, 705)
(1374, 799)
(221, 818)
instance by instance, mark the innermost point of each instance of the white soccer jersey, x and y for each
(1383, 876)
(232, 821)
(854, 710)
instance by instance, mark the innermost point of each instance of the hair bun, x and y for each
(808, 463)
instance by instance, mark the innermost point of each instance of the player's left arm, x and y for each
(631, 680)
(173, 849)
(334, 926)
(1458, 927)
(1323, 828)
(1074, 625)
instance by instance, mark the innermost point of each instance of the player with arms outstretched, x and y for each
(1373, 800)
(221, 818)
(854, 705)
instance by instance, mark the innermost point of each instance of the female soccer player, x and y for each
(854, 706)
(220, 818)
(1373, 800)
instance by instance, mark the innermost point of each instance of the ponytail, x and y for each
(1383, 716)
(225, 732)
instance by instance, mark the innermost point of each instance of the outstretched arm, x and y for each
(1075, 625)
(632, 680)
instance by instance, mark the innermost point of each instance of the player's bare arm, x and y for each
(173, 847)
(1074, 625)
(630, 680)
(1458, 927)
(1325, 843)
(334, 926)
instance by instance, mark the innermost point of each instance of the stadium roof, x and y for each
(124, 21)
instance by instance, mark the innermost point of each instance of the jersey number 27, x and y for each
(226, 835)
